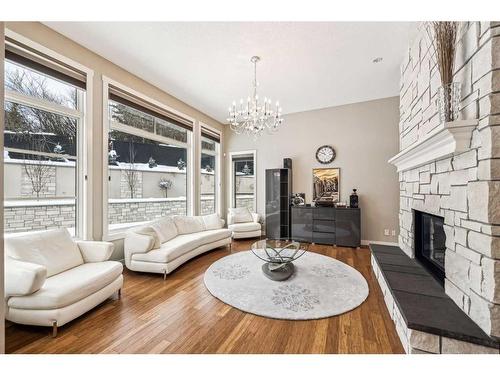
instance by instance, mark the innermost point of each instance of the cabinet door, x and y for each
(302, 224)
(273, 203)
(348, 227)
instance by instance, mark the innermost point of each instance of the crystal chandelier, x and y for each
(254, 117)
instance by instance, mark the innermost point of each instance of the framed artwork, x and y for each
(326, 186)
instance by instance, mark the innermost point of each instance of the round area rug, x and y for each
(320, 287)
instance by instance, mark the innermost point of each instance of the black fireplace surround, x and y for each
(430, 243)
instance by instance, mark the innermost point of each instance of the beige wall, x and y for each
(60, 44)
(364, 135)
(2, 305)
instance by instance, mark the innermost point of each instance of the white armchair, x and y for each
(243, 223)
(51, 279)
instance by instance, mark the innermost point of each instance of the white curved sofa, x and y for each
(166, 243)
(243, 223)
(51, 279)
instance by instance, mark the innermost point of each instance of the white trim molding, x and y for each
(447, 139)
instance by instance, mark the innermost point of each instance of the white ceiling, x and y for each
(306, 65)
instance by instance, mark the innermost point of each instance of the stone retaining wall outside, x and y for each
(31, 216)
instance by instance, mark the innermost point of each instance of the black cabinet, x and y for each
(278, 195)
(326, 225)
(302, 225)
(348, 223)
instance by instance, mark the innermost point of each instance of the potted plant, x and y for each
(444, 40)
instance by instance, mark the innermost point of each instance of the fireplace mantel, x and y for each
(447, 139)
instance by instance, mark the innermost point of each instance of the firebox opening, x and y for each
(430, 243)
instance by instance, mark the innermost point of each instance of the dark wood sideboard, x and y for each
(327, 225)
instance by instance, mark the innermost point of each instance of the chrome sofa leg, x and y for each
(54, 329)
(164, 274)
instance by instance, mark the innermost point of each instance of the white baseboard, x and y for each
(367, 242)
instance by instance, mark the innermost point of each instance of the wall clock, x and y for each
(325, 154)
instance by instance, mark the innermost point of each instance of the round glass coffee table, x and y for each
(278, 256)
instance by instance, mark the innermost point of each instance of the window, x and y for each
(243, 179)
(42, 142)
(210, 171)
(148, 162)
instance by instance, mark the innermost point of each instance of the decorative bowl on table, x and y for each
(278, 256)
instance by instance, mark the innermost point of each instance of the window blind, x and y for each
(120, 96)
(210, 134)
(36, 60)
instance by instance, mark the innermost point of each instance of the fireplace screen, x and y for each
(430, 242)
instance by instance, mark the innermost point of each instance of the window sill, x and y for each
(119, 231)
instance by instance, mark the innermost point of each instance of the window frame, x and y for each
(109, 124)
(232, 174)
(85, 148)
(218, 168)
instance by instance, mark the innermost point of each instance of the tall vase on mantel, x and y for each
(444, 38)
(448, 101)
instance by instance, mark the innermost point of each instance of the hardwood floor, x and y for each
(179, 315)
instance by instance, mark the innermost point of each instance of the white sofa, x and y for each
(243, 223)
(50, 279)
(165, 244)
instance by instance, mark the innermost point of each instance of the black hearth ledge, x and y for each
(422, 300)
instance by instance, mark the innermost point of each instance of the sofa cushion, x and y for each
(181, 245)
(189, 224)
(212, 221)
(240, 215)
(69, 286)
(151, 232)
(170, 250)
(166, 228)
(244, 227)
(54, 249)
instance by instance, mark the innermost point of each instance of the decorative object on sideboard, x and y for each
(325, 154)
(298, 199)
(443, 35)
(326, 182)
(354, 199)
(287, 163)
(256, 116)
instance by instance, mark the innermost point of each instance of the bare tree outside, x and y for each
(131, 174)
(37, 169)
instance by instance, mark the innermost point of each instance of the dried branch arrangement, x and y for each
(445, 38)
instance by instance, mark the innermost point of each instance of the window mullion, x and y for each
(15, 97)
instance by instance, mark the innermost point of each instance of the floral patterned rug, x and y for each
(320, 287)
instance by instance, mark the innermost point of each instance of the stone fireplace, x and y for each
(452, 171)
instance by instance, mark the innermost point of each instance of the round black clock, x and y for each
(325, 154)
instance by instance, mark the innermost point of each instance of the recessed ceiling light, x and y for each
(377, 60)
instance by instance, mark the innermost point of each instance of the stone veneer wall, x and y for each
(38, 217)
(465, 188)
